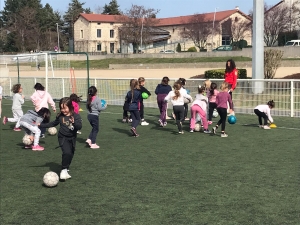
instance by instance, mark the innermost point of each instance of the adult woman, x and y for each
(231, 75)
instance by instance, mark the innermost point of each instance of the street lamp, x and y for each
(212, 37)
(142, 33)
(57, 37)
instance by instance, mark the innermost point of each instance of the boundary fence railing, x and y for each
(285, 93)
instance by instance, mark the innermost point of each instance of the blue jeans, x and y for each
(94, 121)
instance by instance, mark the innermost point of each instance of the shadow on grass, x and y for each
(55, 167)
(124, 131)
(250, 125)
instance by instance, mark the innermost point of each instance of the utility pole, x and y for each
(57, 37)
(142, 33)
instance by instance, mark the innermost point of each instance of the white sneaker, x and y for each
(266, 127)
(144, 123)
(224, 135)
(129, 120)
(64, 175)
(260, 126)
(214, 130)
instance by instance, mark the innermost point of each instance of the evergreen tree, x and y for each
(178, 48)
(112, 8)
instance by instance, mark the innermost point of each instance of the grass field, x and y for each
(161, 177)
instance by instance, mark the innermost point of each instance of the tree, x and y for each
(272, 60)
(178, 48)
(112, 8)
(198, 29)
(137, 25)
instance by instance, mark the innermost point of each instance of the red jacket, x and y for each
(231, 78)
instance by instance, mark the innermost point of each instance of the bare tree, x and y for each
(272, 60)
(137, 25)
(239, 29)
(197, 29)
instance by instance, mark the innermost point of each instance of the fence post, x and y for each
(292, 98)
(10, 86)
(95, 82)
(63, 86)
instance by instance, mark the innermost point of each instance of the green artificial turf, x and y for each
(161, 177)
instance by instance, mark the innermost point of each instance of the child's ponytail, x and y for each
(92, 91)
(271, 104)
(176, 87)
(213, 86)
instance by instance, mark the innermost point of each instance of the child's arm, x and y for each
(168, 97)
(51, 102)
(21, 99)
(143, 89)
(188, 97)
(234, 79)
(230, 102)
(51, 124)
(156, 89)
(269, 115)
(77, 123)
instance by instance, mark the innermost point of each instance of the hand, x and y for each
(231, 90)
(71, 119)
(38, 124)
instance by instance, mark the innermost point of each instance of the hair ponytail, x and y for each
(176, 87)
(92, 91)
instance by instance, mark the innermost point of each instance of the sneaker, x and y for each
(209, 122)
(133, 131)
(78, 132)
(207, 131)
(266, 127)
(168, 118)
(94, 146)
(224, 135)
(181, 132)
(37, 148)
(144, 123)
(17, 129)
(88, 141)
(124, 120)
(160, 123)
(214, 130)
(165, 124)
(5, 120)
(28, 146)
(64, 175)
(129, 120)
(42, 136)
(187, 119)
(192, 130)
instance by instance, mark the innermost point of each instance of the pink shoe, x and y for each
(94, 146)
(17, 129)
(28, 146)
(5, 120)
(209, 122)
(37, 148)
(88, 141)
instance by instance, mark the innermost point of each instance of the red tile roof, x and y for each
(101, 18)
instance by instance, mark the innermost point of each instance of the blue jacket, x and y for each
(134, 102)
(163, 89)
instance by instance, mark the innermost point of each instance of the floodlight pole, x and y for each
(212, 36)
(57, 37)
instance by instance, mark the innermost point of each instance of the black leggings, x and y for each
(223, 115)
(68, 149)
(212, 106)
(179, 114)
(261, 115)
(142, 110)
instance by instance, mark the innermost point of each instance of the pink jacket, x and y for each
(41, 99)
(76, 107)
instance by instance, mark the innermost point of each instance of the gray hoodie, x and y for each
(96, 106)
(32, 118)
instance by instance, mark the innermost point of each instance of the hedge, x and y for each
(219, 74)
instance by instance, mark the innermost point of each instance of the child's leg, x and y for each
(32, 129)
(20, 114)
(203, 118)
(142, 111)
(15, 116)
(135, 115)
(68, 150)
(223, 115)
(194, 110)
(265, 119)
(259, 115)
(186, 109)
(125, 114)
(211, 107)
(94, 121)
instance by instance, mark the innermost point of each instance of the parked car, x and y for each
(223, 48)
(167, 51)
(293, 43)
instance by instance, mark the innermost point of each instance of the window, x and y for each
(226, 40)
(98, 23)
(173, 30)
(81, 33)
(111, 33)
(111, 23)
(99, 47)
(98, 33)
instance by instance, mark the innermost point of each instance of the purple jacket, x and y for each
(222, 99)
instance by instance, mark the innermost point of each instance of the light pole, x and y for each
(57, 37)
(212, 37)
(142, 33)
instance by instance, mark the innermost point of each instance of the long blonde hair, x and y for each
(134, 84)
(207, 84)
(224, 85)
(176, 86)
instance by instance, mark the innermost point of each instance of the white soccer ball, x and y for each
(51, 179)
(215, 113)
(26, 140)
(52, 130)
(197, 127)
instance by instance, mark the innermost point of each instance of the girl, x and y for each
(30, 122)
(206, 85)
(231, 75)
(221, 100)
(18, 101)
(94, 108)
(142, 89)
(162, 90)
(75, 102)
(125, 110)
(134, 98)
(264, 111)
(177, 98)
(70, 123)
(41, 98)
(183, 90)
(199, 106)
(212, 94)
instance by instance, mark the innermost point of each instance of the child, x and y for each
(162, 90)
(125, 110)
(30, 122)
(75, 100)
(199, 106)
(142, 89)
(133, 99)
(177, 98)
(221, 100)
(18, 101)
(94, 108)
(264, 111)
(206, 84)
(211, 95)
(41, 98)
(70, 123)
(183, 90)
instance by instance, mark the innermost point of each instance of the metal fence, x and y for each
(285, 93)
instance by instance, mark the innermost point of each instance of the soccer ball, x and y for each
(52, 130)
(50, 179)
(215, 114)
(103, 104)
(145, 95)
(26, 140)
(231, 119)
(197, 127)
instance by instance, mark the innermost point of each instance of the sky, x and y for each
(168, 8)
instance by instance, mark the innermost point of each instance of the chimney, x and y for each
(237, 8)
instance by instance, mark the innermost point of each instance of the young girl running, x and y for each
(18, 101)
(70, 123)
(94, 108)
(212, 94)
(142, 89)
(183, 90)
(162, 90)
(206, 85)
(177, 98)
(221, 100)
(134, 98)
(75, 102)
(125, 110)
(199, 106)
(30, 122)
(264, 111)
